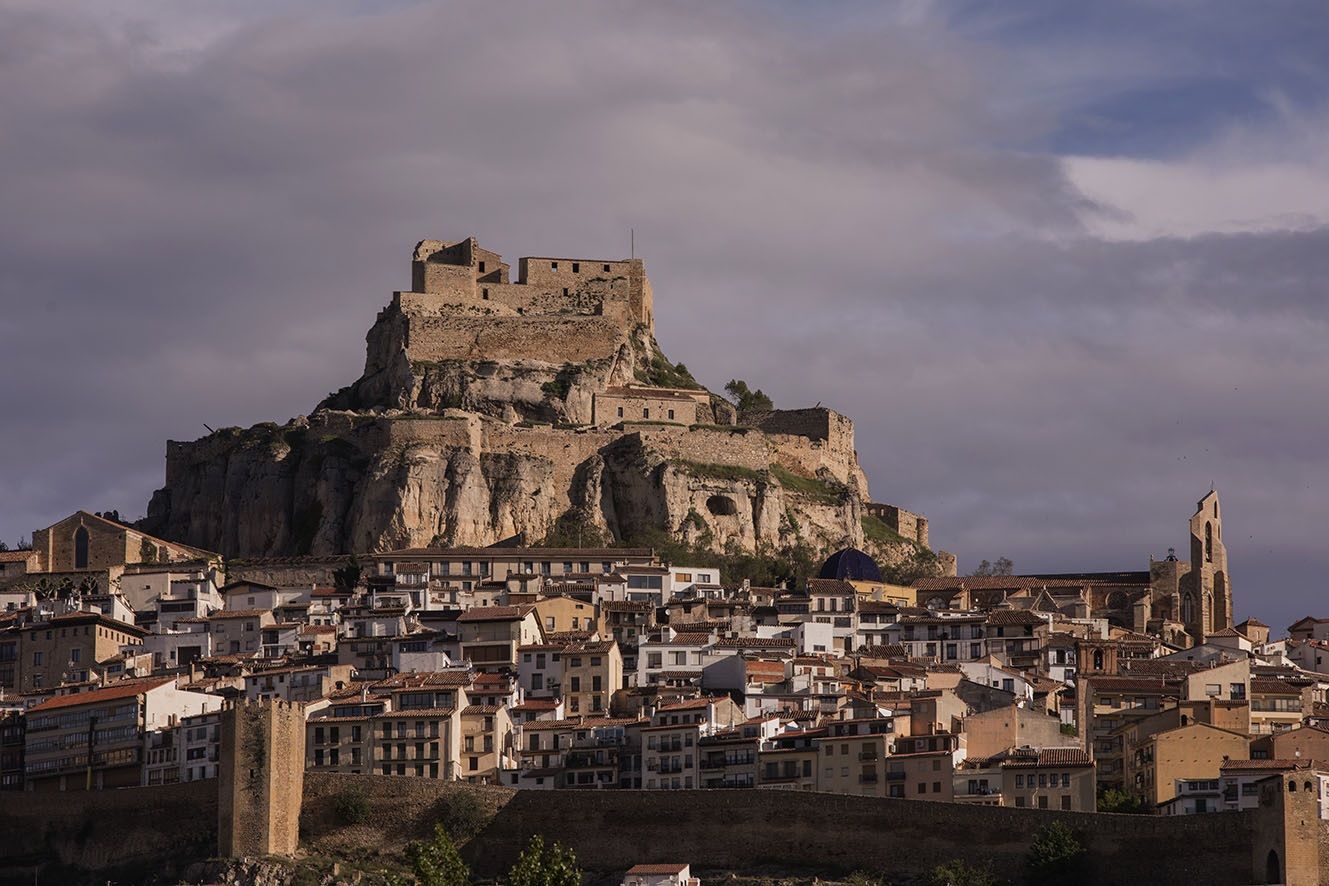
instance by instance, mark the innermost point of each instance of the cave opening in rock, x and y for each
(721, 506)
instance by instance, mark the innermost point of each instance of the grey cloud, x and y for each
(202, 232)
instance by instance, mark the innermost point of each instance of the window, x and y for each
(37, 658)
(671, 415)
(81, 548)
(75, 654)
(482, 267)
(620, 412)
(646, 412)
(1065, 801)
(553, 266)
(576, 267)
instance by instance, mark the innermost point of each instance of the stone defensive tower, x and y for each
(260, 778)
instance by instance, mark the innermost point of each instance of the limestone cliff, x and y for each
(481, 415)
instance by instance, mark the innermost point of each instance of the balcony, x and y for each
(895, 776)
(867, 756)
(868, 778)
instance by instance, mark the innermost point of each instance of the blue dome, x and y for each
(851, 564)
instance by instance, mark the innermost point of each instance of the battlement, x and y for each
(464, 279)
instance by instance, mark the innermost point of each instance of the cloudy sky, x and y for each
(1064, 264)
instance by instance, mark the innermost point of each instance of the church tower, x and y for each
(1206, 591)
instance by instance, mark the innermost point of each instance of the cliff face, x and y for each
(346, 481)
(475, 421)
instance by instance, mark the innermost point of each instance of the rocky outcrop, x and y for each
(475, 421)
(344, 481)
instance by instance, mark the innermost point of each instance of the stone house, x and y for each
(631, 403)
(790, 759)
(1196, 751)
(64, 648)
(1279, 705)
(670, 758)
(487, 743)
(118, 719)
(238, 631)
(1023, 777)
(660, 875)
(853, 756)
(490, 636)
(561, 614)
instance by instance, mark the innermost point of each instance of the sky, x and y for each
(1063, 264)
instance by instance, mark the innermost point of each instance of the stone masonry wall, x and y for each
(786, 832)
(157, 829)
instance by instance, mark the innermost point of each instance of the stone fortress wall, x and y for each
(463, 306)
(152, 829)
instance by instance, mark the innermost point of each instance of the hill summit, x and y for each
(539, 409)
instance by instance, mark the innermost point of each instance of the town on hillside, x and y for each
(611, 668)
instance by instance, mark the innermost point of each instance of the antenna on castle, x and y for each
(632, 242)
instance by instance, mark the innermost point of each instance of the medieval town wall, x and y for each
(795, 832)
(786, 831)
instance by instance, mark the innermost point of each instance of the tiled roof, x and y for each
(1264, 686)
(890, 650)
(831, 586)
(1276, 765)
(754, 643)
(662, 870)
(687, 705)
(125, 689)
(237, 613)
(16, 556)
(475, 709)
(1014, 617)
(495, 613)
(627, 605)
(522, 553)
(1133, 684)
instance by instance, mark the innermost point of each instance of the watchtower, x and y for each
(260, 778)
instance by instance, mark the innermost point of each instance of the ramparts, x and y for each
(776, 832)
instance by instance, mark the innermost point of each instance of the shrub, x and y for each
(1055, 857)
(462, 815)
(352, 806)
(959, 873)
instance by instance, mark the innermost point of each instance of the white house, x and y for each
(660, 875)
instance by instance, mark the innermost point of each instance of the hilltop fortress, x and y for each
(490, 409)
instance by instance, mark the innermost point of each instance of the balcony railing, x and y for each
(868, 778)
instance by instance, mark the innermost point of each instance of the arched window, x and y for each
(1291, 786)
(1209, 542)
(81, 548)
(1273, 871)
(1187, 609)
(1098, 659)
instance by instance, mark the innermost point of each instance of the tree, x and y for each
(1055, 857)
(545, 866)
(751, 404)
(1003, 566)
(436, 861)
(1124, 802)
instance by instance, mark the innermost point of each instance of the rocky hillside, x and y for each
(454, 436)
